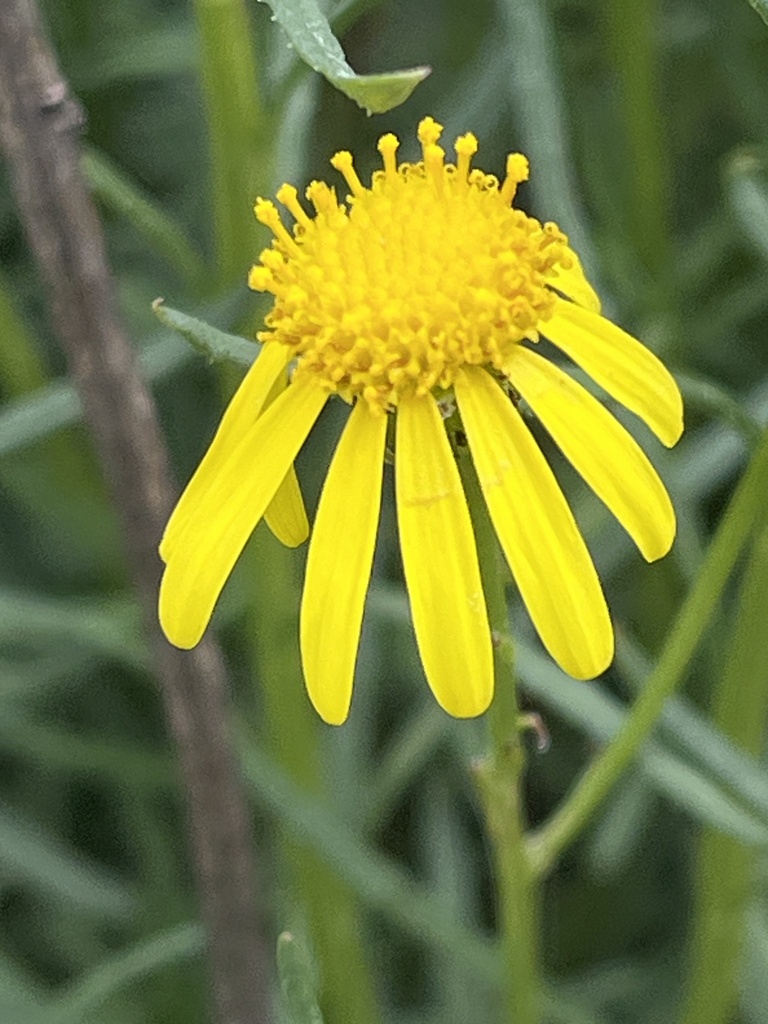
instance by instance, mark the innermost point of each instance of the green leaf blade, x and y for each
(312, 37)
(215, 345)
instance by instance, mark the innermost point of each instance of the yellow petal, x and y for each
(627, 370)
(609, 458)
(537, 531)
(440, 562)
(236, 494)
(573, 283)
(339, 563)
(242, 411)
(286, 516)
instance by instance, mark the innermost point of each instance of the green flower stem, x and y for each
(499, 778)
(724, 874)
(294, 735)
(599, 779)
(238, 140)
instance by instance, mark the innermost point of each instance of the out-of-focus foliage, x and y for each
(647, 129)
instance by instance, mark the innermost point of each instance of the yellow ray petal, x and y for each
(242, 411)
(240, 489)
(339, 563)
(440, 562)
(573, 283)
(286, 516)
(627, 370)
(609, 458)
(545, 551)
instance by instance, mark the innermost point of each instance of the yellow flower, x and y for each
(422, 291)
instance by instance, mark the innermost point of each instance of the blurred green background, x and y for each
(645, 125)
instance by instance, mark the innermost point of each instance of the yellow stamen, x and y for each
(288, 196)
(388, 146)
(517, 171)
(266, 213)
(466, 147)
(342, 162)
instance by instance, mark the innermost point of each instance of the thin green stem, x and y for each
(240, 157)
(692, 621)
(294, 733)
(725, 867)
(499, 777)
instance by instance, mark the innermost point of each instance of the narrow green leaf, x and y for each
(298, 982)
(711, 398)
(47, 410)
(109, 628)
(118, 193)
(89, 994)
(215, 345)
(746, 181)
(384, 886)
(34, 858)
(67, 753)
(532, 81)
(159, 53)
(725, 869)
(602, 717)
(311, 35)
(56, 405)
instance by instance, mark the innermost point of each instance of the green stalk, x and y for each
(725, 868)
(499, 777)
(240, 158)
(294, 732)
(737, 524)
(632, 38)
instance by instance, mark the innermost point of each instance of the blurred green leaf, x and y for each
(382, 885)
(158, 53)
(724, 868)
(118, 193)
(601, 716)
(761, 6)
(746, 180)
(705, 395)
(240, 148)
(215, 345)
(53, 406)
(110, 628)
(312, 36)
(31, 857)
(21, 368)
(147, 957)
(68, 753)
(19, 999)
(298, 981)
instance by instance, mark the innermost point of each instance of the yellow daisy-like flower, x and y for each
(424, 290)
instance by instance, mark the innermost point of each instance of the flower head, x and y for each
(425, 286)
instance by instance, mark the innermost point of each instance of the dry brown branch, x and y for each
(40, 127)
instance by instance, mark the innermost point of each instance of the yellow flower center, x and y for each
(426, 271)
